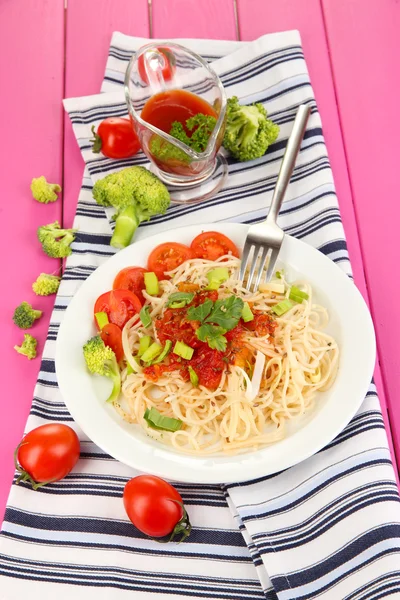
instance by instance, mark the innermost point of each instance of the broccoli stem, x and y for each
(116, 389)
(115, 376)
(125, 226)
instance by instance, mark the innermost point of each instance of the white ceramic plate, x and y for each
(85, 395)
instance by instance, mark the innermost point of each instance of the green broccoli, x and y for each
(55, 241)
(28, 346)
(248, 132)
(46, 284)
(25, 316)
(100, 359)
(44, 192)
(137, 195)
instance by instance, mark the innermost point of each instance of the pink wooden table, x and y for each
(48, 52)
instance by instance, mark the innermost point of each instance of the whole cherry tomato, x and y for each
(155, 507)
(47, 453)
(115, 138)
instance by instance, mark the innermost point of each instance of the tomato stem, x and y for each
(96, 141)
(24, 475)
(183, 526)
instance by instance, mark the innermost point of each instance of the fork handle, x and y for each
(289, 160)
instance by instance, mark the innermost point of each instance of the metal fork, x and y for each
(267, 237)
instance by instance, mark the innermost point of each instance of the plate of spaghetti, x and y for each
(171, 366)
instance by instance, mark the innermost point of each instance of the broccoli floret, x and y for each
(44, 192)
(100, 359)
(25, 316)
(28, 346)
(55, 241)
(248, 132)
(46, 284)
(137, 195)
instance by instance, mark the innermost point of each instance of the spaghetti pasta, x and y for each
(299, 360)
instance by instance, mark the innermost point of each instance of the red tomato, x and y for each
(262, 324)
(209, 366)
(155, 507)
(210, 245)
(168, 69)
(111, 335)
(47, 453)
(173, 327)
(115, 138)
(131, 278)
(166, 257)
(120, 306)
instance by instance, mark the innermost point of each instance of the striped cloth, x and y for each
(327, 528)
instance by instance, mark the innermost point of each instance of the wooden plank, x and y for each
(31, 122)
(365, 53)
(307, 17)
(89, 27)
(193, 19)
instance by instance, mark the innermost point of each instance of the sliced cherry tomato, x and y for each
(47, 453)
(131, 278)
(155, 507)
(168, 68)
(115, 138)
(210, 245)
(166, 257)
(120, 306)
(111, 335)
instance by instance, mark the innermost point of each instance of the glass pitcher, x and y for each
(166, 83)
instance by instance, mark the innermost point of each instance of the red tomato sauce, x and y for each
(164, 108)
(208, 364)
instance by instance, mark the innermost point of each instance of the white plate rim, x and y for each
(158, 460)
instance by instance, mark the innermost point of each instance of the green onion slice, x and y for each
(194, 378)
(151, 353)
(216, 277)
(247, 315)
(282, 307)
(151, 283)
(129, 369)
(166, 350)
(144, 344)
(158, 421)
(179, 299)
(101, 319)
(297, 295)
(183, 350)
(145, 317)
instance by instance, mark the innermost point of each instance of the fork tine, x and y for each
(261, 267)
(272, 263)
(245, 260)
(253, 267)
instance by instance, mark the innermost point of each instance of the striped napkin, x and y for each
(327, 528)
